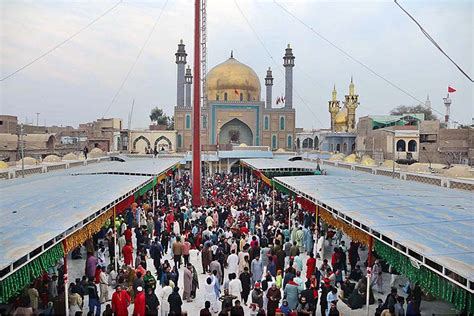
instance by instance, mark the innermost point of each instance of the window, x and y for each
(180, 141)
(427, 138)
(248, 96)
(274, 142)
(266, 123)
(316, 143)
(401, 145)
(338, 147)
(225, 96)
(217, 97)
(188, 121)
(204, 121)
(412, 145)
(282, 123)
(289, 143)
(241, 96)
(1, 122)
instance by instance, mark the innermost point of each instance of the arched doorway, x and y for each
(140, 143)
(316, 142)
(235, 132)
(162, 143)
(308, 143)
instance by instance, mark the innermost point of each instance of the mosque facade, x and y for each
(235, 113)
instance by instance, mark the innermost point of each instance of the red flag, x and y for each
(451, 89)
(236, 92)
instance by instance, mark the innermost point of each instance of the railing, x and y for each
(437, 180)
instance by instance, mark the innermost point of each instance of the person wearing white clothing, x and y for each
(233, 263)
(235, 287)
(165, 293)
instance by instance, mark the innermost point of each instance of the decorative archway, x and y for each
(316, 143)
(308, 143)
(165, 139)
(401, 145)
(140, 138)
(235, 132)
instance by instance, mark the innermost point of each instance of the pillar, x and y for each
(181, 62)
(289, 63)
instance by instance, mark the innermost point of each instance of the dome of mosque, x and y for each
(341, 117)
(233, 79)
(3, 165)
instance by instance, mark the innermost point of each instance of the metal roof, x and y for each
(36, 210)
(435, 222)
(279, 164)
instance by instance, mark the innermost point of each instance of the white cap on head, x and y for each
(139, 289)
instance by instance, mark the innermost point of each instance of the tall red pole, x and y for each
(196, 163)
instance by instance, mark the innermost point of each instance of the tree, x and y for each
(405, 109)
(160, 118)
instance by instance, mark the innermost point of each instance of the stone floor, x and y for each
(76, 268)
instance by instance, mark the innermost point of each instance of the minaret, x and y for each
(188, 80)
(288, 63)
(269, 84)
(428, 102)
(181, 62)
(334, 108)
(352, 102)
(447, 104)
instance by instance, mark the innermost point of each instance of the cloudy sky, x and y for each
(77, 82)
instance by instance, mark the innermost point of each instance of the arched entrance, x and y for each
(236, 132)
(140, 143)
(162, 143)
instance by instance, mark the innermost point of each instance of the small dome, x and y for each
(367, 161)
(281, 150)
(243, 145)
(3, 165)
(70, 156)
(419, 167)
(351, 158)
(389, 164)
(459, 172)
(96, 153)
(52, 158)
(337, 157)
(234, 78)
(341, 116)
(28, 161)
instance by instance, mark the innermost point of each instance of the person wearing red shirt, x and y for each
(310, 265)
(139, 307)
(128, 234)
(127, 252)
(120, 302)
(169, 221)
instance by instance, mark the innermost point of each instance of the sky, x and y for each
(77, 82)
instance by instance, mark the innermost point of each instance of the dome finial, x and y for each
(231, 54)
(334, 93)
(351, 87)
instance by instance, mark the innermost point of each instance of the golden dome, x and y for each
(235, 79)
(341, 117)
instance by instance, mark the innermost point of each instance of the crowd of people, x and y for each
(255, 253)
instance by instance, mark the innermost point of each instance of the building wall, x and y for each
(139, 140)
(8, 124)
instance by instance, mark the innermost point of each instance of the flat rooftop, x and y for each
(279, 164)
(435, 222)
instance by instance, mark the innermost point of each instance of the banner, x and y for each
(428, 280)
(15, 283)
(355, 233)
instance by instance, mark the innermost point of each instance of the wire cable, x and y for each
(274, 61)
(428, 36)
(136, 60)
(61, 43)
(353, 58)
